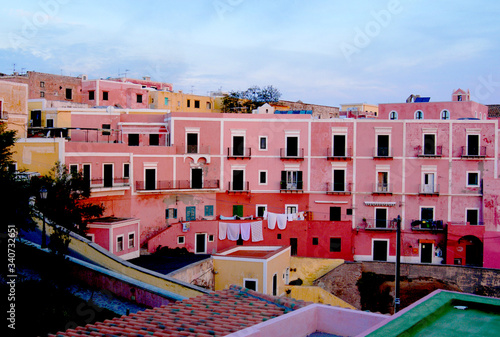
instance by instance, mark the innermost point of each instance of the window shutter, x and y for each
(166, 213)
(299, 180)
(283, 180)
(175, 213)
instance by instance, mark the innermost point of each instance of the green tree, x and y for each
(67, 202)
(250, 99)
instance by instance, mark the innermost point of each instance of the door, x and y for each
(428, 183)
(335, 213)
(339, 146)
(150, 179)
(196, 178)
(338, 180)
(473, 145)
(293, 246)
(383, 146)
(381, 218)
(238, 146)
(201, 247)
(36, 118)
(275, 285)
(292, 146)
(108, 175)
(86, 173)
(379, 250)
(429, 144)
(382, 179)
(238, 182)
(192, 143)
(426, 252)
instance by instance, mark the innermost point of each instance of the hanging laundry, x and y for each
(222, 217)
(281, 219)
(186, 226)
(222, 230)
(289, 217)
(245, 231)
(295, 216)
(256, 228)
(265, 215)
(233, 231)
(271, 220)
(301, 215)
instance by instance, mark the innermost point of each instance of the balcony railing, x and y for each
(115, 182)
(175, 185)
(286, 186)
(339, 154)
(435, 152)
(195, 149)
(338, 188)
(297, 154)
(382, 152)
(377, 224)
(427, 225)
(473, 151)
(235, 153)
(239, 186)
(428, 189)
(464, 223)
(382, 188)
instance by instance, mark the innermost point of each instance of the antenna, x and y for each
(192, 89)
(14, 68)
(125, 73)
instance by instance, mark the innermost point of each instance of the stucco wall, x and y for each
(198, 273)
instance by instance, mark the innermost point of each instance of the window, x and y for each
(428, 185)
(459, 98)
(149, 179)
(131, 240)
(472, 216)
(419, 114)
(181, 240)
(473, 179)
(315, 241)
(250, 284)
(238, 210)
(429, 144)
(105, 95)
(262, 177)
(380, 217)
(335, 245)
(50, 123)
(238, 146)
(139, 98)
(211, 238)
(90, 237)
(209, 210)
(427, 214)
(382, 182)
(91, 95)
(171, 213)
(238, 180)
(339, 145)
(69, 93)
(166, 101)
(292, 146)
(192, 143)
(42, 94)
(291, 209)
(445, 115)
(260, 210)
(348, 211)
(196, 104)
(209, 106)
(119, 243)
(73, 169)
(190, 213)
(278, 236)
(188, 103)
(339, 181)
(383, 146)
(263, 143)
(126, 170)
(106, 127)
(133, 139)
(107, 175)
(393, 115)
(154, 139)
(335, 213)
(291, 180)
(473, 145)
(42, 84)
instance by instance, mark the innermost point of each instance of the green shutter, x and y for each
(238, 210)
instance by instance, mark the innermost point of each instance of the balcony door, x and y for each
(150, 179)
(383, 146)
(339, 146)
(472, 145)
(238, 181)
(338, 180)
(192, 143)
(238, 146)
(108, 175)
(430, 144)
(196, 178)
(382, 181)
(428, 186)
(292, 146)
(381, 218)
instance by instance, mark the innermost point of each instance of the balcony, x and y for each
(339, 154)
(291, 186)
(165, 185)
(473, 152)
(338, 188)
(377, 224)
(430, 153)
(238, 187)
(428, 189)
(382, 153)
(382, 188)
(193, 149)
(239, 153)
(294, 154)
(108, 183)
(427, 225)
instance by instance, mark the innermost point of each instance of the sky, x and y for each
(321, 52)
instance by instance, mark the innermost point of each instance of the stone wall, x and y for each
(341, 282)
(198, 273)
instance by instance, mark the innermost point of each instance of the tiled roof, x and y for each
(215, 314)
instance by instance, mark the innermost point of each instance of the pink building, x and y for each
(350, 177)
(113, 93)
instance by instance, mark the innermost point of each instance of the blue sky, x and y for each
(322, 52)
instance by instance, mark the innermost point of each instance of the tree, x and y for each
(67, 202)
(250, 99)
(15, 205)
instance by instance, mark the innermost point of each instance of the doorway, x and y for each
(335, 213)
(426, 252)
(196, 178)
(108, 175)
(380, 250)
(201, 247)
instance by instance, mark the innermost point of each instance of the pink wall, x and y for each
(119, 93)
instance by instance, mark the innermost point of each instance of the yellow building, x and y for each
(180, 101)
(361, 109)
(14, 106)
(261, 268)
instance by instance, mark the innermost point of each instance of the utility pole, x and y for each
(397, 301)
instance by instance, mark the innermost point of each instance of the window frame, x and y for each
(126, 169)
(266, 175)
(181, 238)
(266, 143)
(245, 279)
(133, 240)
(443, 116)
(139, 98)
(393, 115)
(477, 215)
(428, 207)
(210, 209)
(339, 245)
(257, 209)
(105, 95)
(93, 95)
(118, 237)
(418, 115)
(467, 178)
(291, 206)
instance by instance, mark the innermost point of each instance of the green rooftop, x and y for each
(446, 314)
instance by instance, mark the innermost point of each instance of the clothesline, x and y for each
(233, 231)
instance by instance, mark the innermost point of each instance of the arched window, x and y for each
(445, 115)
(419, 114)
(393, 115)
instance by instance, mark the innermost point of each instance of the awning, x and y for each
(426, 241)
(379, 203)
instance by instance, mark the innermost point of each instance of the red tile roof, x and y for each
(215, 314)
